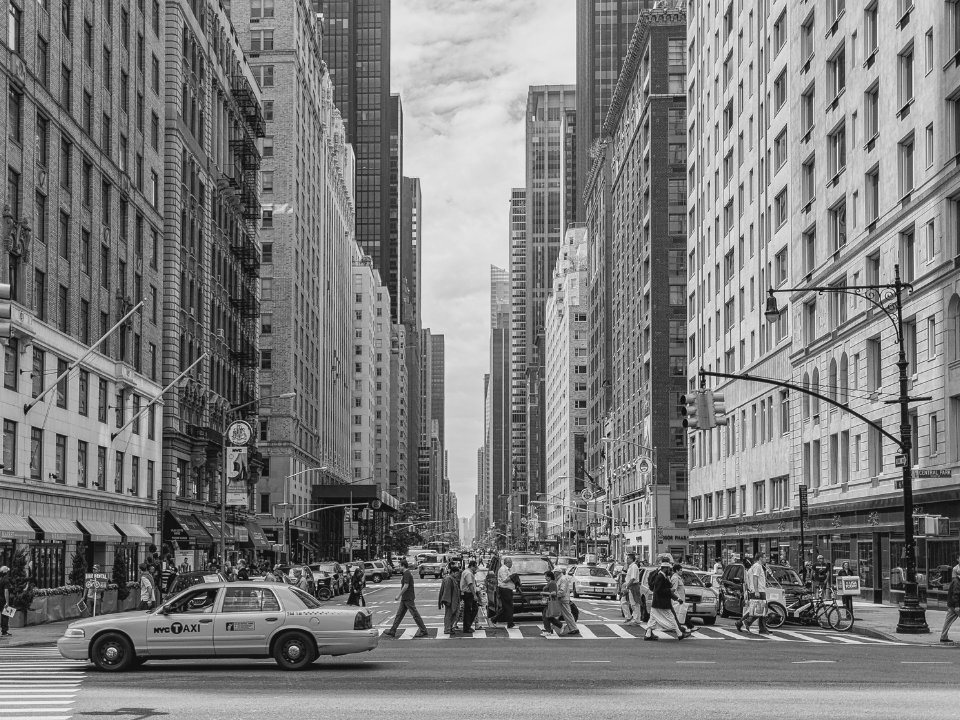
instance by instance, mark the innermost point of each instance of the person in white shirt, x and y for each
(506, 588)
(718, 567)
(632, 589)
(755, 585)
(564, 595)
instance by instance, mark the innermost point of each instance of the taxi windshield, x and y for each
(691, 580)
(592, 571)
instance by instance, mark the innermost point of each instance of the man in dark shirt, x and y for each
(407, 598)
(822, 576)
(5, 597)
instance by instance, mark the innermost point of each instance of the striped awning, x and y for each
(100, 531)
(57, 528)
(133, 532)
(15, 527)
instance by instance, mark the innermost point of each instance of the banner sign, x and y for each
(237, 476)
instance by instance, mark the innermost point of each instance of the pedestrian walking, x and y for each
(5, 596)
(822, 576)
(845, 571)
(551, 610)
(147, 589)
(449, 600)
(680, 590)
(168, 576)
(357, 583)
(407, 600)
(661, 606)
(953, 608)
(565, 596)
(718, 567)
(243, 574)
(303, 583)
(470, 596)
(633, 590)
(506, 586)
(755, 592)
(483, 616)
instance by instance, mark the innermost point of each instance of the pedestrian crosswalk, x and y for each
(36, 682)
(615, 631)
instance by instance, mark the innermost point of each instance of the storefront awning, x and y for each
(15, 527)
(100, 531)
(186, 528)
(228, 533)
(239, 532)
(257, 539)
(57, 528)
(209, 524)
(133, 532)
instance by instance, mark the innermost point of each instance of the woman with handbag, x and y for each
(552, 612)
(357, 584)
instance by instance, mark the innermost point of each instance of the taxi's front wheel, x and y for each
(294, 652)
(112, 653)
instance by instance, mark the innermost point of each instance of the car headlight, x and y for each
(74, 633)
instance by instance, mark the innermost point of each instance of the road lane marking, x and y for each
(588, 662)
(377, 662)
(811, 662)
(696, 662)
(619, 631)
(800, 636)
(925, 662)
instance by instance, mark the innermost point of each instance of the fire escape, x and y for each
(243, 244)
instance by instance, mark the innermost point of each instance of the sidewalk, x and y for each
(880, 621)
(46, 634)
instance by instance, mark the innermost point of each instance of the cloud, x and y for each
(463, 68)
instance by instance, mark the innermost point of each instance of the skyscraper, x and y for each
(410, 251)
(540, 237)
(604, 29)
(357, 53)
(395, 255)
(496, 464)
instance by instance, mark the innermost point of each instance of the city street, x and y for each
(796, 671)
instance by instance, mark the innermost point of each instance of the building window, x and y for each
(872, 199)
(9, 447)
(871, 101)
(263, 75)
(806, 111)
(15, 28)
(36, 453)
(837, 145)
(780, 91)
(905, 77)
(118, 473)
(905, 158)
(759, 497)
(837, 216)
(11, 364)
(261, 8)
(60, 458)
(82, 449)
(808, 185)
(837, 74)
(261, 41)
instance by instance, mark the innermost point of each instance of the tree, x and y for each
(21, 585)
(120, 576)
(403, 538)
(79, 571)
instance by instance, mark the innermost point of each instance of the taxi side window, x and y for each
(244, 600)
(201, 601)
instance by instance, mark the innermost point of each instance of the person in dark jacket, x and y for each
(449, 600)
(356, 588)
(953, 608)
(661, 607)
(845, 571)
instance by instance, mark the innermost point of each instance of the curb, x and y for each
(896, 637)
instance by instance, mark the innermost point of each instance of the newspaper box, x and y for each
(848, 585)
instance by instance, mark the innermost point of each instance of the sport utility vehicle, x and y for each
(432, 565)
(530, 568)
(375, 570)
(783, 586)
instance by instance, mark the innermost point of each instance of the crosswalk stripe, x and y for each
(617, 630)
(728, 633)
(514, 633)
(408, 634)
(586, 633)
(801, 636)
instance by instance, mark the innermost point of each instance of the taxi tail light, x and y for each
(362, 621)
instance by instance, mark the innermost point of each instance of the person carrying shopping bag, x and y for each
(552, 611)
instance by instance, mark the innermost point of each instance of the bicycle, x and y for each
(811, 608)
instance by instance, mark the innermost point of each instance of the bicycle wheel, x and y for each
(823, 617)
(776, 615)
(840, 618)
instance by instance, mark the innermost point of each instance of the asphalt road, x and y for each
(806, 674)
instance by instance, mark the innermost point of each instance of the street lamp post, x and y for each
(223, 469)
(652, 457)
(912, 614)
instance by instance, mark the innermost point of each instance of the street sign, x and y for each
(803, 503)
(645, 466)
(586, 494)
(239, 433)
(523, 522)
(95, 581)
(900, 460)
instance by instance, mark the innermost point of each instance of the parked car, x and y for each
(530, 568)
(375, 570)
(223, 620)
(341, 581)
(783, 586)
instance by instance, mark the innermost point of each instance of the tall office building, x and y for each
(81, 239)
(540, 237)
(431, 467)
(357, 53)
(438, 382)
(604, 29)
(646, 124)
(212, 128)
(410, 263)
(395, 212)
(306, 276)
(846, 181)
(496, 465)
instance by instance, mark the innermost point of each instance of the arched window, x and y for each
(953, 329)
(815, 387)
(832, 380)
(806, 398)
(844, 379)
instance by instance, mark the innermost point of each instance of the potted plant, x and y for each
(21, 588)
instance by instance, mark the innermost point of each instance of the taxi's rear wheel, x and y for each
(294, 652)
(112, 652)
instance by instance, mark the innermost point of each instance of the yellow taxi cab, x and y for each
(223, 620)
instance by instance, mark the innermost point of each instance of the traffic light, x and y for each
(716, 408)
(6, 312)
(694, 411)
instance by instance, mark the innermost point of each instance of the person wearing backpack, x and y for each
(661, 607)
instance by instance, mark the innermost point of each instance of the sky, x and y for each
(462, 68)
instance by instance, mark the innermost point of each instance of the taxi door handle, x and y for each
(206, 621)
(272, 619)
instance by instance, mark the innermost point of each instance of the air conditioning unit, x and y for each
(192, 313)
